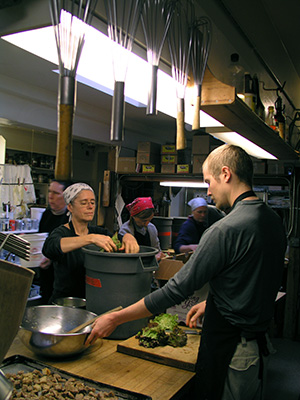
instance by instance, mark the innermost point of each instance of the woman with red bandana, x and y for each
(139, 225)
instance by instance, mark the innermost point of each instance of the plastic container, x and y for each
(37, 212)
(118, 279)
(36, 241)
(164, 227)
(176, 224)
(74, 302)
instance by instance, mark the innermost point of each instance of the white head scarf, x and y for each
(72, 191)
(197, 202)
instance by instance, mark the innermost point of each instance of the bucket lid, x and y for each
(144, 251)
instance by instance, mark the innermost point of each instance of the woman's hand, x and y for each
(104, 241)
(45, 263)
(160, 256)
(196, 312)
(129, 244)
(185, 248)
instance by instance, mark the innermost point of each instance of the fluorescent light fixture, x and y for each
(238, 140)
(95, 69)
(191, 184)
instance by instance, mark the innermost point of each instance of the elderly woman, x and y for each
(64, 244)
(192, 229)
(141, 212)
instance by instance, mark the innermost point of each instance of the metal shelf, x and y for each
(158, 177)
(220, 102)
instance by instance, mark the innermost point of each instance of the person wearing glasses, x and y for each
(53, 216)
(64, 245)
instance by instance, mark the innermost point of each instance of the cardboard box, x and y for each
(148, 147)
(167, 168)
(183, 168)
(183, 308)
(198, 160)
(168, 267)
(147, 158)
(168, 149)
(169, 159)
(149, 168)
(126, 165)
(201, 144)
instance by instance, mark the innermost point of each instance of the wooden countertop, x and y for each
(104, 364)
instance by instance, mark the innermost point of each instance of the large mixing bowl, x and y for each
(44, 330)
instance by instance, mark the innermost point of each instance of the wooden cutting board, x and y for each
(180, 357)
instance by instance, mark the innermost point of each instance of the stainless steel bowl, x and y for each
(75, 302)
(44, 330)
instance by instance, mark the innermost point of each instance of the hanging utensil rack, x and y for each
(15, 244)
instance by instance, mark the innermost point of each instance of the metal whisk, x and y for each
(200, 51)
(123, 17)
(156, 18)
(180, 41)
(69, 19)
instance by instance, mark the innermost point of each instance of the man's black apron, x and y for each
(218, 343)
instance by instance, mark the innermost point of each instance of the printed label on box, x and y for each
(148, 168)
(182, 309)
(168, 148)
(183, 168)
(169, 159)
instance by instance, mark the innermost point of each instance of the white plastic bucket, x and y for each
(36, 213)
(36, 241)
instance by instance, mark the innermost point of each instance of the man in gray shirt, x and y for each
(242, 258)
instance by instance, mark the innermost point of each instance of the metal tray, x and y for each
(18, 363)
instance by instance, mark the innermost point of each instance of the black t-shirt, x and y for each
(49, 221)
(69, 271)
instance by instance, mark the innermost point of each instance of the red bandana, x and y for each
(139, 204)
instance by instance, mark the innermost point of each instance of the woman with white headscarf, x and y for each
(192, 229)
(64, 244)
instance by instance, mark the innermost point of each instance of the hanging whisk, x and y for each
(155, 18)
(69, 19)
(123, 17)
(199, 54)
(180, 41)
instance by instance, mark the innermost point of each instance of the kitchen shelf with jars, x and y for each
(221, 102)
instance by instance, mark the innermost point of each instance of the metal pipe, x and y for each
(118, 115)
(67, 90)
(152, 94)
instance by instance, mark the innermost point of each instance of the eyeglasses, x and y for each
(85, 203)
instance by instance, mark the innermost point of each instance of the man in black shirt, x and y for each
(54, 216)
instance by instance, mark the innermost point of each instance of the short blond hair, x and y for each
(235, 158)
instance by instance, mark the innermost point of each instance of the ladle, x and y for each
(87, 323)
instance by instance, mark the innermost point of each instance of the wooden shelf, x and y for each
(220, 102)
(157, 177)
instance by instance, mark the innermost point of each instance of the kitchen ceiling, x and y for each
(265, 33)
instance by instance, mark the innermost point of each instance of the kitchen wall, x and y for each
(89, 159)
